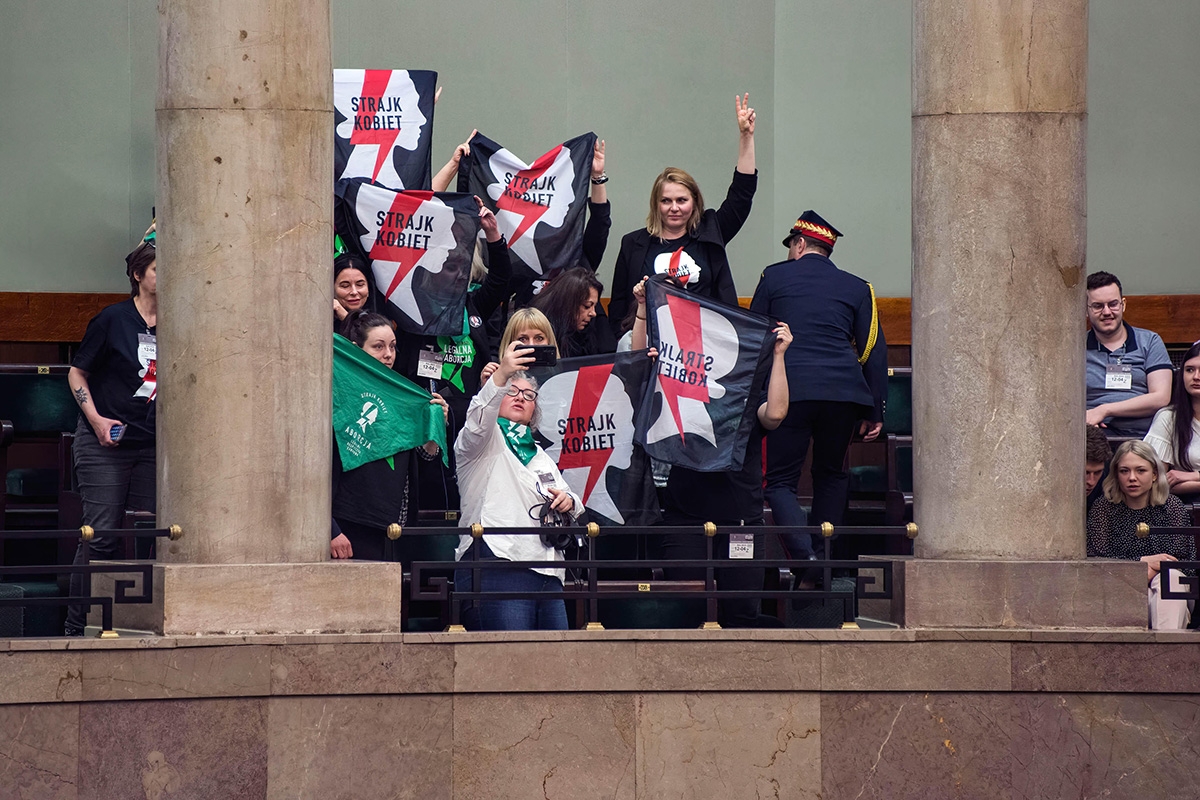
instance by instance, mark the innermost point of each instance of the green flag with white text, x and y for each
(377, 412)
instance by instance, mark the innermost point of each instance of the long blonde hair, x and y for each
(523, 319)
(1158, 490)
(654, 221)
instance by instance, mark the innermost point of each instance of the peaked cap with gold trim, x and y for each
(813, 225)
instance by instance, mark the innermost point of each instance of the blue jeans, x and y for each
(110, 479)
(510, 615)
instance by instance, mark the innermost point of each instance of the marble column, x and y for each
(999, 235)
(998, 201)
(245, 159)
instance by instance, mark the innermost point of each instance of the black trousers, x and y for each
(732, 613)
(829, 426)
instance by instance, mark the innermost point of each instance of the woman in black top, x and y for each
(1136, 491)
(571, 302)
(368, 498)
(450, 365)
(351, 289)
(681, 238)
(113, 378)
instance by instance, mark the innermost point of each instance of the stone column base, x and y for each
(1019, 594)
(327, 597)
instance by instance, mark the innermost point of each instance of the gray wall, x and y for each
(830, 80)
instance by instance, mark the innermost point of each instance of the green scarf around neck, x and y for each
(519, 439)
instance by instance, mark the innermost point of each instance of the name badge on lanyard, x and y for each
(1118, 376)
(741, 545)
(429, 364)
(147, 348)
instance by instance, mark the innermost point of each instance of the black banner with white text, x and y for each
(586, 407)
(705, 393)
(419, 245)
(540, 207)
(383, 126)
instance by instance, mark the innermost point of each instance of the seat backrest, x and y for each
(37, 403)
(897, 414)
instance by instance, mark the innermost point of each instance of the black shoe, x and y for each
(73, 632)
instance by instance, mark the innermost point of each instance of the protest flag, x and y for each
(378, 412)
(586, 407)
(705, 393)
(383, 126)
(540, 206)
(419, 245)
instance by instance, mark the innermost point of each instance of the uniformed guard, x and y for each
(837, 374)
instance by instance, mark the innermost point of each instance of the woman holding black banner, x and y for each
(681, 238)
(728, 499)
(368, 498)
(508, 481)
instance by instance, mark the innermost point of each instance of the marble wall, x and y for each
(679, 717)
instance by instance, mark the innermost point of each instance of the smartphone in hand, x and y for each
(544, 355)
(116, 432)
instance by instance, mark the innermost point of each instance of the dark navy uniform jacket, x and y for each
(833, 321)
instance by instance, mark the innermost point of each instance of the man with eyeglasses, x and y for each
(1128, 368)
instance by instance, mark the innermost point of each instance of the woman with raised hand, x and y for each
(508, 481)
(1136, 491)
(1175, 432)
(370, 497)
(681, 237)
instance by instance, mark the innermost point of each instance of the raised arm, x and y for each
(444, 175)
(745, 121)
(772, 412)
(495, 286)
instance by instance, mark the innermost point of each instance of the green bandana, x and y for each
(519, 439)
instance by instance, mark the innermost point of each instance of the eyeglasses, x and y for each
(1111, 305)
(529, 395)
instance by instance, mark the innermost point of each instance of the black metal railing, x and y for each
(430, 583)
(88, 568)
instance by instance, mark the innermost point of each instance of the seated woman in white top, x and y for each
(506, 480)
(1175, 432)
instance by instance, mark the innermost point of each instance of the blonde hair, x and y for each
(479, 270)
(523, 319)
(1158, 490)
(674, 175)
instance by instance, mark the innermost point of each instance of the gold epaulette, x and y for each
(874, 334)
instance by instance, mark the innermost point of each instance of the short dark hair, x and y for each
(816, 244)
(1101, 279)
(137, 262)
(357, 323)
(1098, 449)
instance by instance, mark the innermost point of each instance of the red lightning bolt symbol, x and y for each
(589, 385)
(673, 267)
(511, 199)
(374, 85)
(686, 316)
(404, 206)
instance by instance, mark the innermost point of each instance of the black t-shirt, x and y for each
(119, 353)
(683, 258)
(721, 497)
